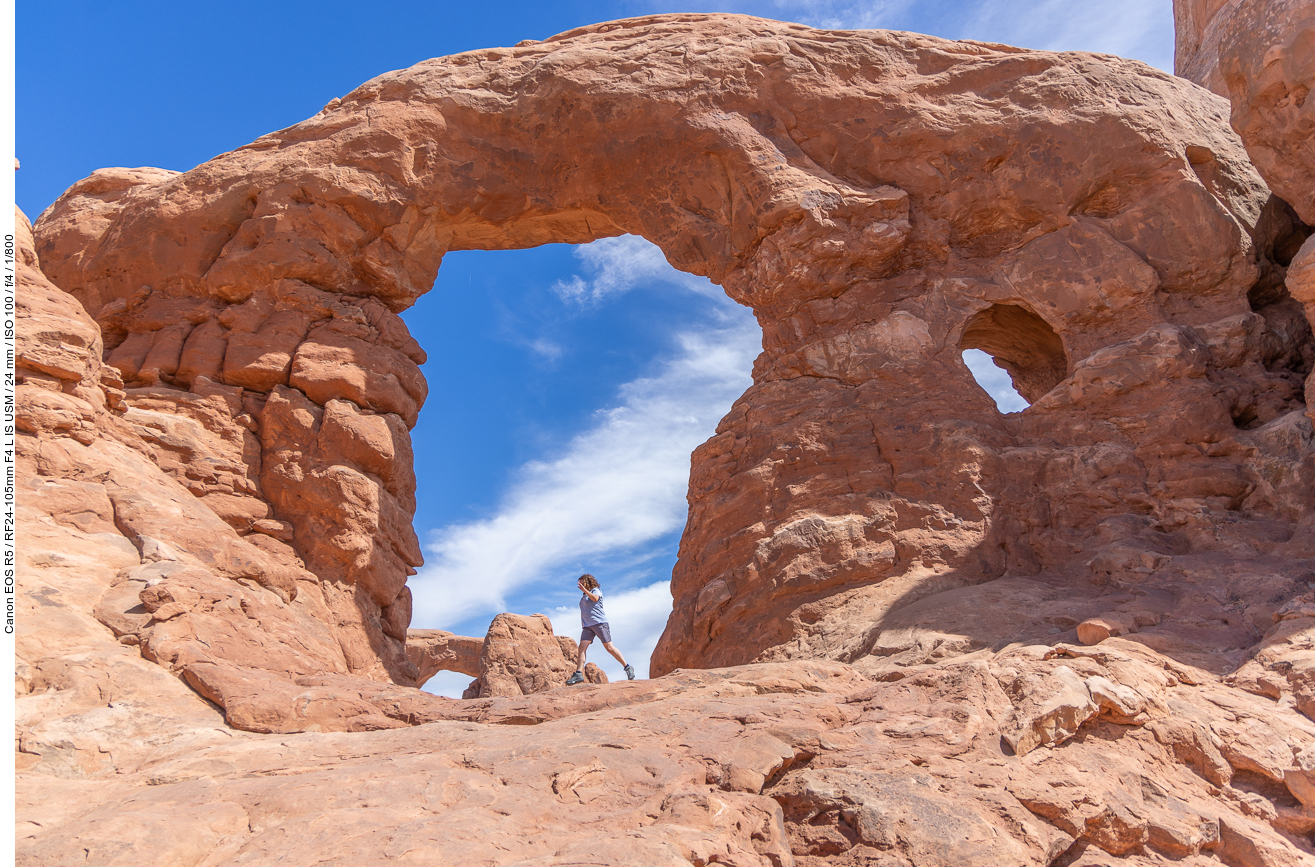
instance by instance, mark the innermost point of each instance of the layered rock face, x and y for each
(1259, 55)
(907, 580)
(876, 228)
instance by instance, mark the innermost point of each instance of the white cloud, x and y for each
(636, 617)
(615, 488)
(617, 265)
(546, 349)
(994, 380)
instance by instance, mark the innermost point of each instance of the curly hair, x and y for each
(589, 581)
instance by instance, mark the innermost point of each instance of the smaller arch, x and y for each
(1021, 343)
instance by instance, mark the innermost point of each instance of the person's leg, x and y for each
(580, 655)
(610, 648)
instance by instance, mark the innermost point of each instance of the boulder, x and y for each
(521, 656)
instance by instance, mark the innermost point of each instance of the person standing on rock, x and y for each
(594, 625)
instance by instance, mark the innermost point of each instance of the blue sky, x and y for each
(567, 385)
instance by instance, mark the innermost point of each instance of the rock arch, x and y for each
(867, 194)
(1022, 343)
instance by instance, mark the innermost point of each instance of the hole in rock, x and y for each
(994, 381)
(1021, 344)
(568, 387)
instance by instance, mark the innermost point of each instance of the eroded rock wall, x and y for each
(1259, 56)
(1262, 57)
(875, 209)
(132, 588)
(922, 574)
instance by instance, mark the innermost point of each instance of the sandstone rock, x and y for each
(1117, 702)
(1300, 777)
(433, 650)
(259, 701)
(1242, 842)
(1051, 712)
(474, 765)
(198, 440)
(1196, 43)
(1097, 629)
(1252, 745)
(343, 478)
(1260, 56)
(521, 656)
(1194, 746)
(867, 301)
(187, 562)
(518, 656)
(1265, 67)
(874, 812)
(58, 349)
(208, 619)
(829, 749)
(1301, 284)
(895, 570)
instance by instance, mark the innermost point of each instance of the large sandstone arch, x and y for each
(867, 194)
(1079, 634)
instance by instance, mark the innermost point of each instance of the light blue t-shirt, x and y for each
(591, 612)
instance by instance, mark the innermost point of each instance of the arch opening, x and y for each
(574, 382)
(1020, 343)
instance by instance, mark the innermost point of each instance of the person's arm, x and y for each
(594, 596)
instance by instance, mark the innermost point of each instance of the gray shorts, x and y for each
(601, 631)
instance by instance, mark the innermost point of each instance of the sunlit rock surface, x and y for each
(933, 634)
(1261, 56)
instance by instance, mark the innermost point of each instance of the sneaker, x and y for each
(578, 677)
(630, 673)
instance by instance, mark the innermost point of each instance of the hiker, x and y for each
(594, 625)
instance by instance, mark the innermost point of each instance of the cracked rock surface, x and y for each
(908, 630)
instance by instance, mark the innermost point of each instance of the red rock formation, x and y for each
(521, 656)
(867, 267)
(433, 650)
(1262, 57)
(908, 567)
(1259, 56)
(1196, 44)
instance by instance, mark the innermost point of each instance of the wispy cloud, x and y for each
(613, 489)
(614, 266)
(448, 683)
(839, 14)
(1128, 28)
(546, 349)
